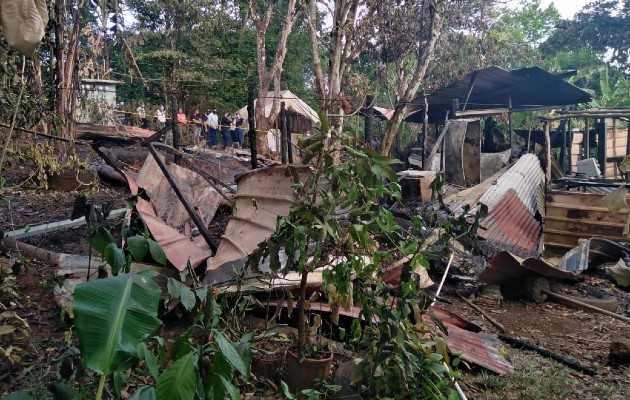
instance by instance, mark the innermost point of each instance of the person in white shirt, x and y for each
(142, 116)
(213, 125)
(160, 115)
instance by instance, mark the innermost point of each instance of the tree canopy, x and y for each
(204, 52)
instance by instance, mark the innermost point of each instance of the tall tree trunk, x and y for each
(38, 92)
(409, 88)
(369, 114)
(272, 74)
(172, 87)
(341, 49)
(67, 55)
(60, 94)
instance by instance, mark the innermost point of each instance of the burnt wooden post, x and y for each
(283, 132)
(369, 114)
(600, 129)
(510, 121)
(570, 147)
(548, 155)
(251, 121)
(587, 140)
(425, 132)
(290, 144)
(454, 108)
(175, 127)
(563, 150)
(529, 137)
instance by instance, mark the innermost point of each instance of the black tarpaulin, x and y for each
(494, 88)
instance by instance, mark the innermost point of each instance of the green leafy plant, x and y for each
(609, 87)
(334, 221)
(136, 241)
(46, 164)
(204, 362)
(115, 318)
(111, 317)
(406, 356)
(309, 394)
(14, 330)
(340, 223)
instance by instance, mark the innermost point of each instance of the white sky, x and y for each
(567, 8)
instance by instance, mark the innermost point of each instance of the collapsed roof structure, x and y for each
(494, 90)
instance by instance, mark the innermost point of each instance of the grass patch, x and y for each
(539, 378)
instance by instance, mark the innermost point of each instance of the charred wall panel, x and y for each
(575, 215)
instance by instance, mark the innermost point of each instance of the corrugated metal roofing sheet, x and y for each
(262, 196)
(178, 248)
(509, 270)
(592, 252)
(478, 348)
(511, 227)
(527, 179)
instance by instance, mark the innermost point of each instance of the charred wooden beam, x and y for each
(252, 123)
(283, 132)
(189, 208)
(107, 160)
(156, 135)
(190, 165)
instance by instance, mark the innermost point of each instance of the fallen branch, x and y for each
(556, 357)
(482, 312)
(46, 135)
(37, 253)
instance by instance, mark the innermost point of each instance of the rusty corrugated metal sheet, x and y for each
(576, 215)
(178, 248)
(511, 227)
(479, 348)
(509, 270)
(203, 197)
(527, 178)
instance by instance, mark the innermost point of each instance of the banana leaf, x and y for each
(111, 316)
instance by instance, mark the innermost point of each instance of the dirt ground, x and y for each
(574, 334)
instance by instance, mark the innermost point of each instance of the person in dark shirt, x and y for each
(204, 124)
(233, 129)
(196, 119)
(225, 130)
(240, 133)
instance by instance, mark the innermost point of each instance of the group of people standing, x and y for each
(206, 126)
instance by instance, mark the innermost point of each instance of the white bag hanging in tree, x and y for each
(23, 23)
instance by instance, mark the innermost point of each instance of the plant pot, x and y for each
(268, 365)
(302, 374)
